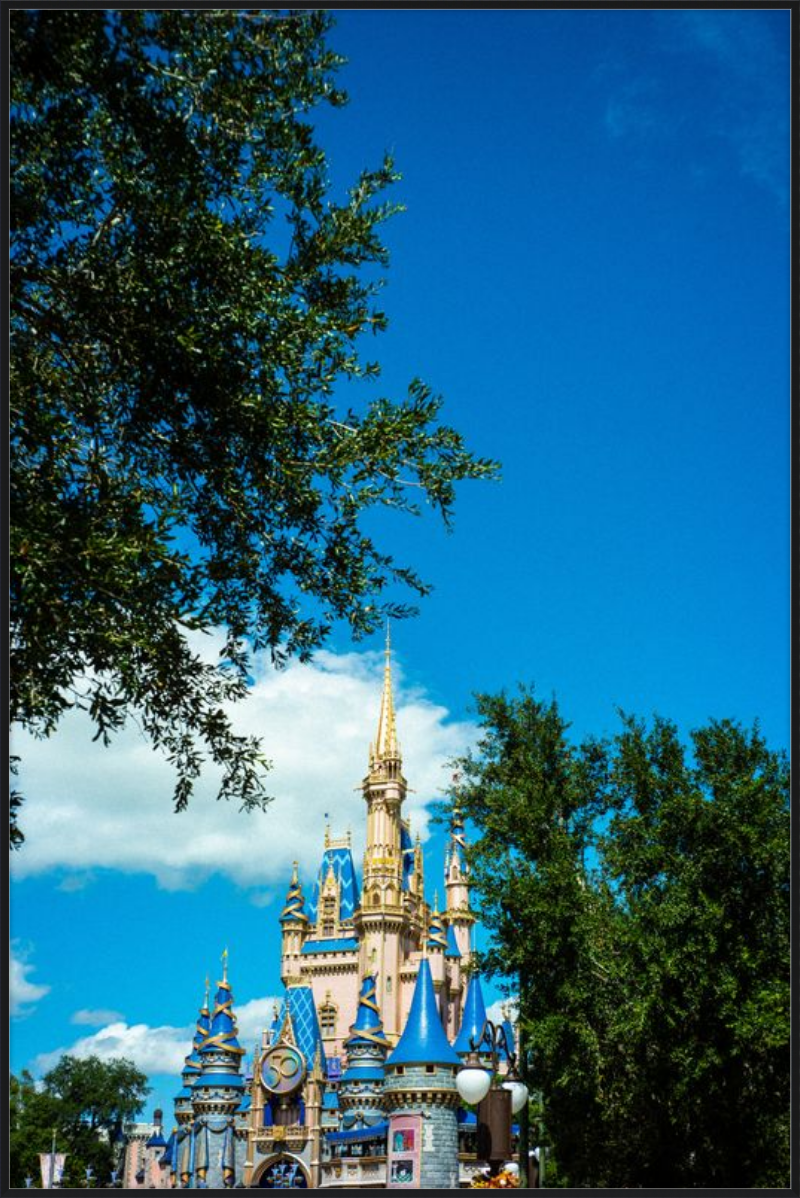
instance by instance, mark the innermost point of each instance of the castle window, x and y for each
(327, 1019)
(329, 916)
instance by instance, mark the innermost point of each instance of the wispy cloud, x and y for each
(753, 113)
(711, 76)
(22, 993)
(88, 807)
(155, 1050)
(95, 1018)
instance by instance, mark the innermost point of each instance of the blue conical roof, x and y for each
(222, 1033)
(423, 1041)
(368, 1027)
(508, 1028)
(452, 946)
(473, 1019)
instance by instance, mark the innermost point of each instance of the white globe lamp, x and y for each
(473, 1083)
(519, 1095)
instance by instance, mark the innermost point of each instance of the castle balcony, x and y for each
(290, 1138)
(353, 1173)
(355, 1159)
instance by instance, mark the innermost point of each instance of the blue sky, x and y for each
(593, 271)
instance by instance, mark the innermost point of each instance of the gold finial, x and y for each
(294, 873)
(208, 989)
(436, 902)
(225, 964)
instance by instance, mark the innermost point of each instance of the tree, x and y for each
(639, 888)
(186, 300)
(83, 1102)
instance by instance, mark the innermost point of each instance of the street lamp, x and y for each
(496, 1103)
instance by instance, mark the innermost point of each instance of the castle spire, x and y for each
(437, 937)
(386, 746)
(294, 907)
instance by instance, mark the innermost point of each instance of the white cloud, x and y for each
(95, 1018)
(502, 1009)
(156, 1050)
(152, 1049)
(22, 993)
(88, 807)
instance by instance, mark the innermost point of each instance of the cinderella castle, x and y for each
(354, 1083)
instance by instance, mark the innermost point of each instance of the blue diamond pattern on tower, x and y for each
(340, 859)
(305, 1026)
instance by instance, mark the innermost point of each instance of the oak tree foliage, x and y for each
(186, 299)
(636, 892)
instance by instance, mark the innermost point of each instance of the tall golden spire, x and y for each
(386, 745)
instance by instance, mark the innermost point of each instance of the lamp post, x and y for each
(496, 1103)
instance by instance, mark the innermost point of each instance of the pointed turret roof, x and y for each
(423, 1041)
(473, 1020)
(386, 746)
(337, 858)
(437, 938)
(452, 949)
(294, 908)
(192, 1063)
(222, 1033)
(368, 1027)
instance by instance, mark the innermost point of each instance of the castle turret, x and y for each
(420, 1090)
(456, 880)
(381, 918)
(361, 1088)
(192, 1065)
(216, 1095)
(294, 930)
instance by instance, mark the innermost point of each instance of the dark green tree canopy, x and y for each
(83, 1104)
(186, 301)
(637, 895)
